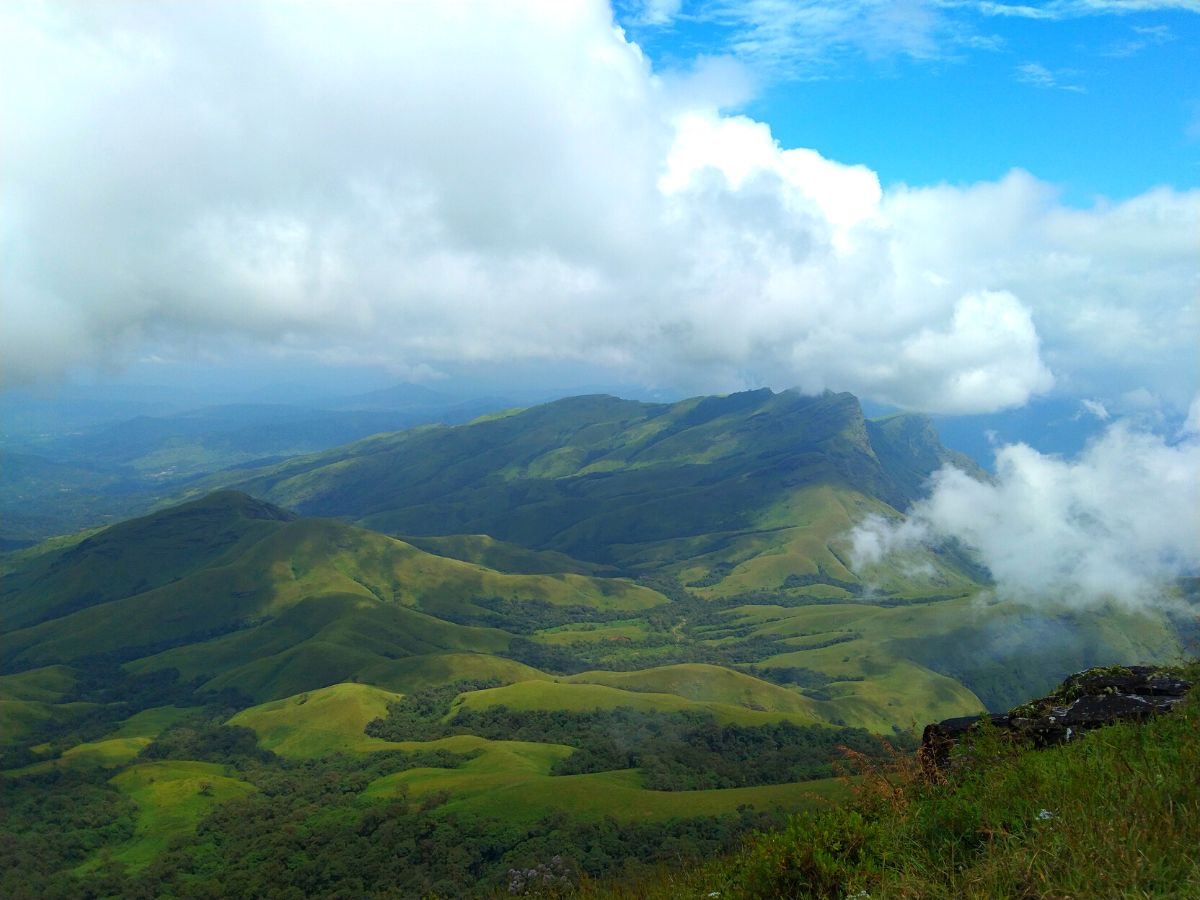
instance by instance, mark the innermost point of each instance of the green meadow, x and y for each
(171, 798)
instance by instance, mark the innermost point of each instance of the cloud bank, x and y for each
(1117, 524)
(430, 185)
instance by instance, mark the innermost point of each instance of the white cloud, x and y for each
(435, 184)
(1116, 524)
(1037, 75)
(1074, 9)
(799, 37)
(655, 12)
(1191, 425)
(1144, 36)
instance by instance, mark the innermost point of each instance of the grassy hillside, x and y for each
(113, 749)
(505, 557)
(238, 592)
(756, 485)
(511, 780)
(1113, 813)
(318, 723)
(171, 798)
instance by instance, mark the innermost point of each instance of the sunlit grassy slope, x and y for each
(320, 722)
(511, 780)
(115, 749)
(237, 591)
(171, 797)
(705, 683)
(504, 556)
(577, 697)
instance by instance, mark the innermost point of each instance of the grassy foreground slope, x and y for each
(1113, 813)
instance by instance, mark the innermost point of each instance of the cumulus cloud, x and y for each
(1116, 524)
(440, 184)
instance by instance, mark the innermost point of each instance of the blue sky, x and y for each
(1098, 99)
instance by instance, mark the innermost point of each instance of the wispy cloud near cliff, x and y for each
(1118, 523)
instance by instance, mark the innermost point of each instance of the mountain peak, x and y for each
(230, 502)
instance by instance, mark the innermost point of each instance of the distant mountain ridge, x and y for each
(61, 479)
(637, 485)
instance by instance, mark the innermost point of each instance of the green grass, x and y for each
(115, 749)
(412, 673)
(318, 723)
(707, 684)
(503, 556)
(46, 685)
(1115, 813)
(510, 780)
(18, 718)
(910, 655)
(578, 697)
(269, 605)
(171, 796)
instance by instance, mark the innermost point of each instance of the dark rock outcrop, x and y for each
(1084, 701)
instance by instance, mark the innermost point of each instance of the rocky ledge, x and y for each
(1084, 701)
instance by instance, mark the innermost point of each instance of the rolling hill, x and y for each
(245, 595)
(746, 492)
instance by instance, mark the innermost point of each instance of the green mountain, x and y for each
(245, 595)
(747, 492)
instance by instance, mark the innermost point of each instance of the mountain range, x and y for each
(521, 590)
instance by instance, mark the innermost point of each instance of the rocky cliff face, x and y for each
(1083, 702)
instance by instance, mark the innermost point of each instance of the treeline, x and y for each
(526, 616)
(53, 822)
(676, 751)
(323, 842)
(652, 650)
(103, 696)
